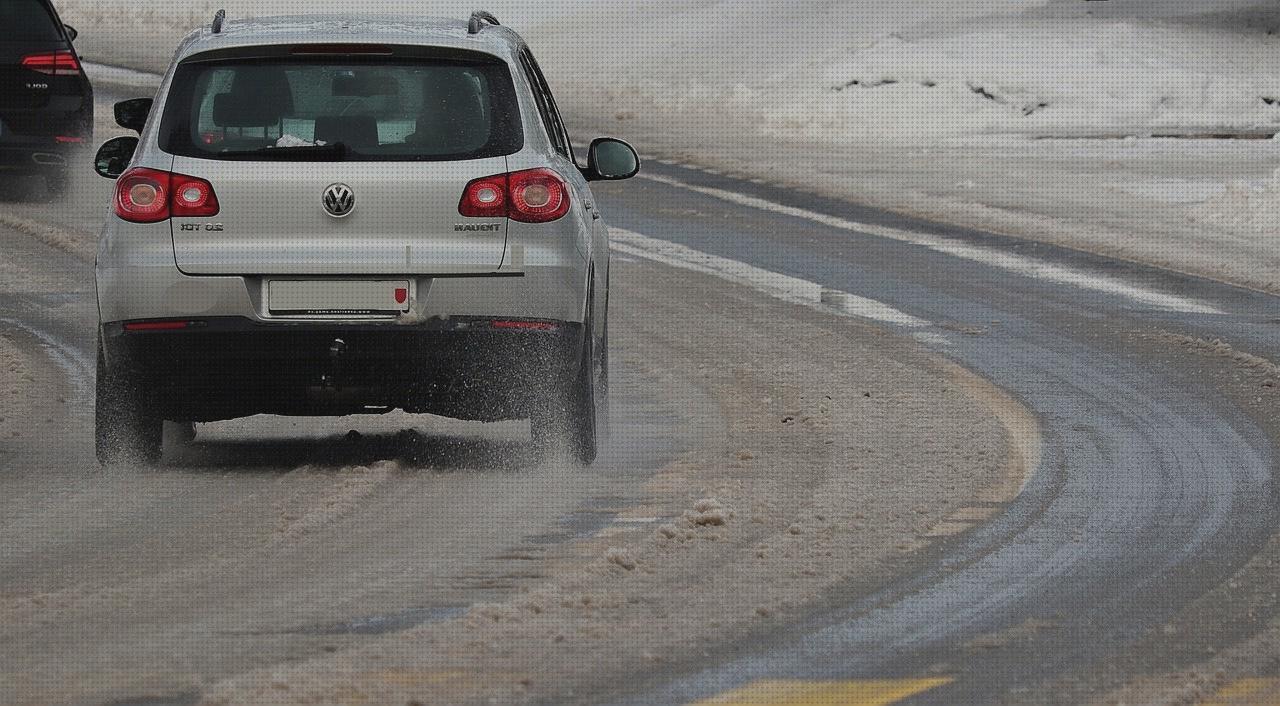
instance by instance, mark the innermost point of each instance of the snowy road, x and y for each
(1153, 483)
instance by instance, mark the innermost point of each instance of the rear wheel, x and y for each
(568, 424)
(123, 431)
(602, 385)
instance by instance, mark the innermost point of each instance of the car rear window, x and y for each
(27, 20)
(342, 109)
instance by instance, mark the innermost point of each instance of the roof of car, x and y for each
(375, 29)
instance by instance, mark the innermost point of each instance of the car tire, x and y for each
(602, 385)
(569, 423)
(123, 432)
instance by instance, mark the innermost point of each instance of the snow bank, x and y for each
(870, 71)
(1244, 207)
(1067, 78)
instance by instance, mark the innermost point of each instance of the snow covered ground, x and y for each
(854, 72)
(1034, 117)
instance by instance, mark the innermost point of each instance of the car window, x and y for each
(552, 109)
(546, 105)
(27, 19)
(380, 110)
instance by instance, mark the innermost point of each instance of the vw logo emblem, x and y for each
(339, 200)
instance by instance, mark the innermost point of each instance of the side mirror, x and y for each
(610, 160)
(114, 156)
(71, 32)
(132, 114)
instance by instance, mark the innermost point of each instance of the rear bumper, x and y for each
(33, 156)
(227, 367)
(45, 139)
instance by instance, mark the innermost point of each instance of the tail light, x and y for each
(150, 196)
(485, 198)
(58, 63)
(530, 196)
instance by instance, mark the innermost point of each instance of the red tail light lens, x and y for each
(150, 196)
(485, 198)
(142, 195)
(193, 197)
(58, 63)
(538, 196)
(530, 196)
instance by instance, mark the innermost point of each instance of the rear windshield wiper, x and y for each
(335, 152)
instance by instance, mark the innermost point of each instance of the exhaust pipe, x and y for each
(47, 159)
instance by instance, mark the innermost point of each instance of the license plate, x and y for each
(337, 297)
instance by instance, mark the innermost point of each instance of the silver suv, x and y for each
(326, 216)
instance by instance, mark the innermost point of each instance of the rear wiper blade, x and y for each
(336, 152)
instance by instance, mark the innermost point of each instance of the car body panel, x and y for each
(272, 220)
(272, 224)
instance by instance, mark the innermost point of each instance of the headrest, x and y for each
(260, 96)
(453, 118)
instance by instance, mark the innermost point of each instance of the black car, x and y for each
(46, 103)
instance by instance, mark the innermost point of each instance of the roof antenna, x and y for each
(219, 18)
(478, 18)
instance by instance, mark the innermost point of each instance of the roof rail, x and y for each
(478, 20)
(219, 18)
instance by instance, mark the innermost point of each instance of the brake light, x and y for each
(58, 63)
(150, 196)
(538, 196)
(345, 49)
(529, 196)
(142, 195)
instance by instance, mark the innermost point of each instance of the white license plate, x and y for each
(336, 297)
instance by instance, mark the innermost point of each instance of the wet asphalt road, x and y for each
(1153, 485)
(252, 546)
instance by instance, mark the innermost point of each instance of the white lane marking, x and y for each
(1018, 264)
(779, 286)
(1030, 267)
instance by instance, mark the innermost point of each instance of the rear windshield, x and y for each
(27, 20)
(340, 109)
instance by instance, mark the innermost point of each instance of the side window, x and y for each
(546, 105)
(555, 112)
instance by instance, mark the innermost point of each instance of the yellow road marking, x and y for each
(1248, 692)
(862, 692)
